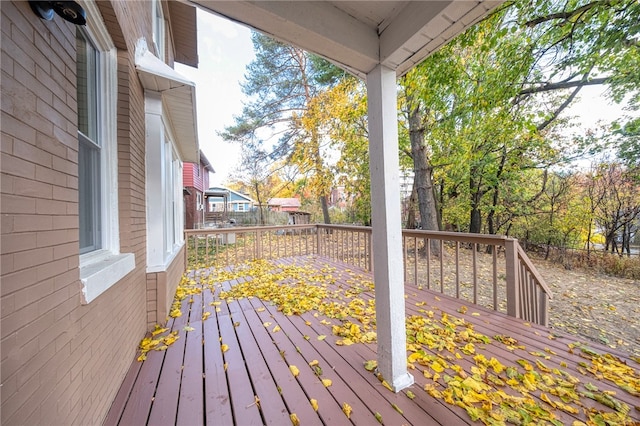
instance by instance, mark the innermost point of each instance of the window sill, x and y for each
(100, 271)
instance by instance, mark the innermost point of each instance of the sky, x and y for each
(225, 49)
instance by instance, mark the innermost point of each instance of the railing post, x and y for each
(512, 277)
(318, 230)
(258, 244)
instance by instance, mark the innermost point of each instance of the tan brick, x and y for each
(12, 243)
(65, 194)
(33, 258)
(65, 308)
(7, 263)
(7, 304)
(65, 166)
(52, 207)
(46, 174)
(18, 204)
(17, 166)
(37, 291)
(18, 129)
(52, 269)
(65, 250)
(14, 281)
(32, 188)
(65, 223)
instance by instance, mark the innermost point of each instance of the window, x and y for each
(159, 33)
(89, 143)
(101, 264)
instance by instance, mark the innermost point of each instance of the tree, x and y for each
(280, 85)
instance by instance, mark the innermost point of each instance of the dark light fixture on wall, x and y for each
(68, 10)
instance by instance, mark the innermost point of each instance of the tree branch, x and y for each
(564, 85)
(565, 15)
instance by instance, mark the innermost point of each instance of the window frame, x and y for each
(104, 266)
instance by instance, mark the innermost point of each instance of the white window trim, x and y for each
(159, 254)
(101, 269)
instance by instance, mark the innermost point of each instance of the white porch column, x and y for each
(386, 222)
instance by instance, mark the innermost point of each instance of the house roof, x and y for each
(205, 161)
(284, 202)
(359, 35)
(219, 191)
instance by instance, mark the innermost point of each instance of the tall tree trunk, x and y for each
(475, 219)
(325, 209)
(423, 177)
(411, 207)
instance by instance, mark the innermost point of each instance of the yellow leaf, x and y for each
(321, 337)
(314, 404)
(346, 408)
(410, 395)
(314, 362)
(158, 330)
(295, 421)
(378, 417)
(387, 385)
(261, 309)
(435, 366)
(344, 342)
(294, 370)
(370, 365)
(395, 407)
(266, 324)
(206, 315)
(226, 365)
(326, 382)
(276, 329)
(142, 357)
(224, 347)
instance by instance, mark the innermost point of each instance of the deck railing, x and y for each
(488, 270)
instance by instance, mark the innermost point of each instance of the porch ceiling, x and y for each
(358, 35)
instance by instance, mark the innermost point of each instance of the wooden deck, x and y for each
(194, 382)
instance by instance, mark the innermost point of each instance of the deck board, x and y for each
(194, 382)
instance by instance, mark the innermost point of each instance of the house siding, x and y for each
(63, 361)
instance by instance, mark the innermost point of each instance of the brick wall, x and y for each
(161, 287)
(62, 362)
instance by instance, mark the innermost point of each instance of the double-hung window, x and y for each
(90, 135)
(101, 264)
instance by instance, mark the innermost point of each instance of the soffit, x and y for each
(358, 35)
(179, 98)
(184, 31)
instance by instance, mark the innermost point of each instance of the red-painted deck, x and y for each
(193, 382)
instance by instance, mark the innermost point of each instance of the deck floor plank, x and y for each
(217, 404)
(194, 381)
(293, 396)
(269, 397)
(165, 402)
(347, 384)
(245, 409)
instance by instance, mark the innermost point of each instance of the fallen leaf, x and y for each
(346, 409)
(294, 370)
(295, 421)
(314, 404)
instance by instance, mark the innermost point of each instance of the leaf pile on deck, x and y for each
(445, 349)
(497, 393)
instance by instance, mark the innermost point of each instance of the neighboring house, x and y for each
(195, 178)
(284, 204)
(235, 201)
(338, 198)
(96, 126)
